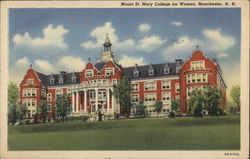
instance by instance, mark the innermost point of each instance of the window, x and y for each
(135, 87)
(33, 102)
(49, 97)
(177, 87)
(149, 86)
(166, 98)
(166, 70)
(92, 95)
(114, 81)
(49, 108)
(109, 71)
(134, 98)
(150, 98)
(24, 92)
(177, 69)
(43, 93)
(204, 77)
(102, 94)
(73, 79)
(61, 80)
(188, 79)
(52, 81)
(193, 78)
(59, 92)
(166, 84)
(33, 92)
(151, 72)
(29, 92)
(197, 65)
(30, 81)
(69, 92)
(136, 73)
(89, 73)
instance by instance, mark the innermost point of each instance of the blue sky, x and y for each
(63, 39)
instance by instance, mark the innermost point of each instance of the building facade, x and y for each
(91, 90)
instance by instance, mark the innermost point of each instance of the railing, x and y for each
(88, 85)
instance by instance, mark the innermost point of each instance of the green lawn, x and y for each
(183, 133)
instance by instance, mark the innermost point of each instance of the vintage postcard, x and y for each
(124, 79)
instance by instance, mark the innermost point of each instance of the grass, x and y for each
(184, 133)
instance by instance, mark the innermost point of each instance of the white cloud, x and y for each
(127, 61)
(99, 33)
(150, 43)
(144, 27)
(147, 44)
(222, 55)
(71, 63)
(218, 42)
(44, 66)
(183, 46)
(22, 62)
(176, 23)
(52, 36)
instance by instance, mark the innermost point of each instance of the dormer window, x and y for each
(136, 73)
(61, 80)
(166, 70)
(74, 79)
(151, 72)
(52, 81)
(89, 73)
(109, 71)
(30, 81)
(177, 69)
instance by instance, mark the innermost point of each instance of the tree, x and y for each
(122, 94)
(212, 99)
(175, 104)
(141, 109)
(13, 102)
(196, 103)
(43, 110)
(62, 106)
(158, 106)
(21, 112)
(235, 95)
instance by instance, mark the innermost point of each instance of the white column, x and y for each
(96, 99)
(85, 100)
(113, 101)
(77, 101)
(73, 102)
(108, 99)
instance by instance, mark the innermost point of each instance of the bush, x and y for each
(172, 114)
(72, 118)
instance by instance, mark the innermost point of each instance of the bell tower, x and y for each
(107, 54)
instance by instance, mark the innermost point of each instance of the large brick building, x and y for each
(92, 89)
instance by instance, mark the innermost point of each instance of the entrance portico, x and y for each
(91, 97)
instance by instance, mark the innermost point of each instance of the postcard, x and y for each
(124, 79)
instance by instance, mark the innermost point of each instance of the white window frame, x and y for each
(134, 98)
(149, 98)
(57, 92)
(177, 87)
(167, 86)
(136, 73)
(114, 81)
(151, 72)
(52, 81)
(49, 97)
(135, 87)
(49, 107)
(73, 79)
(197, 65)
(89, 73)
(109, 71)
(166, 70)
(166, 97)
(92, 95)
(30, 81)
(150, 88)
(60, 80)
